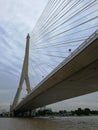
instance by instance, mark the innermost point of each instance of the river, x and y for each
(52, 123)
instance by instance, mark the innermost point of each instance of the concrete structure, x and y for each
(24, 75)
(76, 75)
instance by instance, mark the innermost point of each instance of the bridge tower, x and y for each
(24, 75)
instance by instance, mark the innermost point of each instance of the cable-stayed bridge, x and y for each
(61, 57)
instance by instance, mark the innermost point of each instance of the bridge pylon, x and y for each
(24, 75)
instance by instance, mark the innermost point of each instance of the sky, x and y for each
(17, 18)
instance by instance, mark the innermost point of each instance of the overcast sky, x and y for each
(17, 18)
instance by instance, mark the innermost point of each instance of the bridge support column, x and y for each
(30, 113)
(34, 112)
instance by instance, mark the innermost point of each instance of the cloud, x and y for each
(17, 18)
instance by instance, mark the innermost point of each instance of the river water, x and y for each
(52, 123)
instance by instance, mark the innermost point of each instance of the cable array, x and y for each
(62, 27)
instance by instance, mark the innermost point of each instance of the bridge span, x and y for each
(76, 75)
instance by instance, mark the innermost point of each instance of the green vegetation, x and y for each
(49, 112)
(78, 112)
(4, 114)
(44, 112)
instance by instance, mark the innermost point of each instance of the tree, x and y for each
(87, 111)
(79, 112)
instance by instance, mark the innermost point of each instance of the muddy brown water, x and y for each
(50, 123)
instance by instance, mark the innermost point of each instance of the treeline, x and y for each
(85, 111)
(78, 112)
(49, 112)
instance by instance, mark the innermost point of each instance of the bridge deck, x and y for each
(75, 76)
